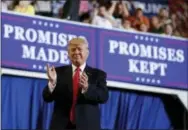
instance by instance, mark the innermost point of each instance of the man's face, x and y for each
(78, 52)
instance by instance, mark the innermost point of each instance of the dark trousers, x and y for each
(71, 126)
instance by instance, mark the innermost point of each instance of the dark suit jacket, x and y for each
(87, 109)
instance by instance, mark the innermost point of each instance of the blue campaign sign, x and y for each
(30, 43)
(144, 59)
(150, 7)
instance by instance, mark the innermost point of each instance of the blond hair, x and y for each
(78, 40)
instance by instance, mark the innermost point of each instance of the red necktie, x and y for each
(75, 93)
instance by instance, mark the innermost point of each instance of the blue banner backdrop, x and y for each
(29, 43)
(143, 58)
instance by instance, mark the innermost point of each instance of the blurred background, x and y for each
(165, 17)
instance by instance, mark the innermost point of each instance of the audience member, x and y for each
(24, 6)
(155, 26)
(168, 30)
(116, 14)
(126, 24)
(138, 18)
(101, 18)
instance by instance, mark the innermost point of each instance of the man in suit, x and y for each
(76, 90)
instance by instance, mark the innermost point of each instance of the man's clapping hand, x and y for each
(52, 76)
(84, 82)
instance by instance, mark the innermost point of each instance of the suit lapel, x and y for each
(88, 71)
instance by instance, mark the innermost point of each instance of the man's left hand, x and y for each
(84, 82)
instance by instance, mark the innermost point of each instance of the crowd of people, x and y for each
(115, 14)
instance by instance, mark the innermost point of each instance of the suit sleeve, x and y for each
(98, 92)
(49, 96)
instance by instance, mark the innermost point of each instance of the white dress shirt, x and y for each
(82, 67)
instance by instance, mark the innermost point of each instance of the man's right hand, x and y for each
(52, 76)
